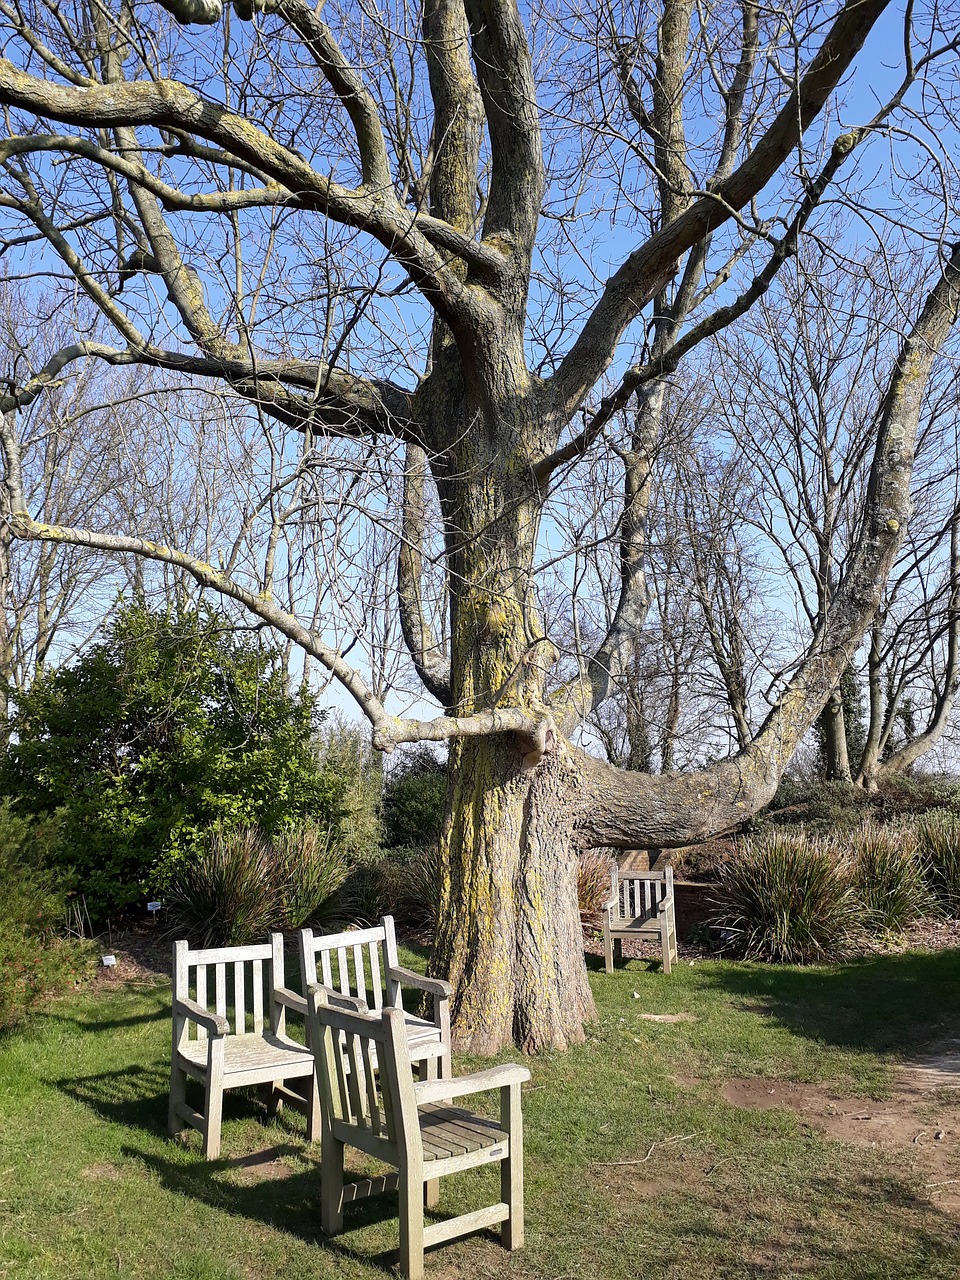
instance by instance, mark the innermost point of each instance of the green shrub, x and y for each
(173, 726)
(414, 800)
(821, 807)
(889, 876)
(938, 844)
(787, 897)
(410, 880)
(35, 962)
(403, 883)
(242, 886)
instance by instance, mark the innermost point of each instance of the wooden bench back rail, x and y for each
(355, 963)
(639, 896)
(354, 1089)
(235, 982)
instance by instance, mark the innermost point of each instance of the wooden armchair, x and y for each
(640, 905)
(362, 965)
(235, 1035)
(371, 1101)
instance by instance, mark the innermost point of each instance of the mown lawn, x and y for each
(636, 1166)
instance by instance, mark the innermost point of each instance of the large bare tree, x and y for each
(471, 235)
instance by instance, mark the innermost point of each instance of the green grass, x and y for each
(90, 1186)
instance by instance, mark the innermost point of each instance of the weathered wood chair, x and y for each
(370, 1101)
(363, 965)
(235, 1034)
(640, 905)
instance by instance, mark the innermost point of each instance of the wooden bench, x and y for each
(362, 966)
(229, 1030)
(371, 1101)
(641, 905)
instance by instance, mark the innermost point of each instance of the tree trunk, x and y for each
(510, 938)
(836, 760)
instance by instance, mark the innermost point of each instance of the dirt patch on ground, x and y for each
(142, 954)
(259, 1166)
(919, 1126)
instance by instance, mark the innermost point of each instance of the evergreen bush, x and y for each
(36, 961)
(172, 727)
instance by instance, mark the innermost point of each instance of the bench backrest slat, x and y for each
(354, 962)
(639, 894)
(243, 980)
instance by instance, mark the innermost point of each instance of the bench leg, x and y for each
(608, 951)
(411, 1227)
(331, 1186)
(178, 1095)
(511, 1169)
(665, 947)
(212, 1117)
(431, 1189)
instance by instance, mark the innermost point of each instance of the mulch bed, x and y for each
(143, 954)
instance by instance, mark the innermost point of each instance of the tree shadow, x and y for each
(94, 1024)
(760, 1235)
(882, 1003)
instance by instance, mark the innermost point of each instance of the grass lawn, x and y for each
(635, 1164)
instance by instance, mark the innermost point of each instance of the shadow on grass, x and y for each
(290, 1204)
(764, 1239)
(884, 1004)
(137, 1097)
(94, 1024)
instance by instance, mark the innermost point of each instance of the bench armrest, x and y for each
(611, 902)
(337, 1000)
(480, 1082)
(436, 986)
(665, 903)
(215, 1023)
(290, 999)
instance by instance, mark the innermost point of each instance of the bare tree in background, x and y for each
(797, 395)
(386, 232)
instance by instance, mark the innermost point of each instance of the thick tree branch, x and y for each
(673, 810)
(633, 285)
(501, 57)
(167, 103)
(432, 666)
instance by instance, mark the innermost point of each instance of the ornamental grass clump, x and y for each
(938, 845)
(787, 897)
(593, 885)
(888, 874)
(310, 872)
(243, 885)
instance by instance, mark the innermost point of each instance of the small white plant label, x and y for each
(108, 961)
(153, 906)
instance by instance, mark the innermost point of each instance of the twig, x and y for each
(946, 1182)
(661, 1142)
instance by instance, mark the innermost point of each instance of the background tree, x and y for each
(389, 235)
(172, 726)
